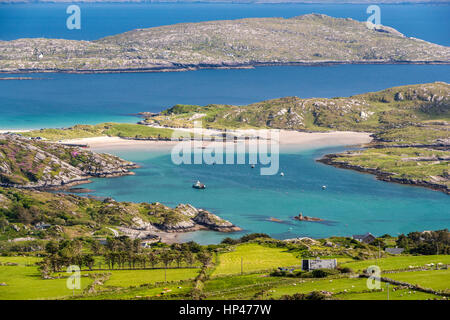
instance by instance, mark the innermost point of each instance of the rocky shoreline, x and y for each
(222, 66)
(28, 164)
(330, 159)
(190, 219)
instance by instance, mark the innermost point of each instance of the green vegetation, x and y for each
(129, 271)
(398, 263)
(384, 110)
(254, 258)
(123, 130)
(435, 279)
(417, 164)
(36, 164)
(24, 282)
(70, 216)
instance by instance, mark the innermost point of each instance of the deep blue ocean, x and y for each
(353, 202)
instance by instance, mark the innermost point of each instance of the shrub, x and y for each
(322, 273)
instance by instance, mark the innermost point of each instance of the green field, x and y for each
(433, 279)
(254, 258)
(159, 292)
(397, 263)
(402, 294)
(127, 278)
(25, 283)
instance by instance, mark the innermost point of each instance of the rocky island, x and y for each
(312, 39)
(301, 217)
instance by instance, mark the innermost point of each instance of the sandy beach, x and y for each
(287, 140)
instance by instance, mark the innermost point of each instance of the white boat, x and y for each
(198, 185)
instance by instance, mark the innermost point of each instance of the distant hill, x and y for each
(311, 39)
(232, 1)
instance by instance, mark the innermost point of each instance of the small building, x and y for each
(364, 238)
(394, 250)
(42, 226)
(313, 264)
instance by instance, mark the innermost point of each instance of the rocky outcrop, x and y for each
(26, 163)
(183, 218)
(213, 222)
(301, 217)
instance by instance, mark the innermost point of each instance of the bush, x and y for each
(253, 236)
(322, 273)
(346, 270)
(229, 240)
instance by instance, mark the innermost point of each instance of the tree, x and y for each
(88, 261)
(96, 247)
(51, 247)
(204, 257)
(178, 257)
(152, 259)
(166, 258)
(189, 258)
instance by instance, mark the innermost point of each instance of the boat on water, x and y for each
(198, 185)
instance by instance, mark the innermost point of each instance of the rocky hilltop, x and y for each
(307, 39)
(27, 163)
(55, 215)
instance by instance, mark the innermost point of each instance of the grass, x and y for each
(308, 285)
(433, 279)
(21, 261)
(254, 258)
(165, 291)
(401, 163)
(403, 294)
(124, 130)
(25, 283)
(128, 278)
(397, 263)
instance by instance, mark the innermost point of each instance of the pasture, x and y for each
(255, 258)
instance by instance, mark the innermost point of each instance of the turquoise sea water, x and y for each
(353, 203)
(59, 100)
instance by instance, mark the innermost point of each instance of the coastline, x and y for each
(288, 140)
(330, 159)
(195, 67)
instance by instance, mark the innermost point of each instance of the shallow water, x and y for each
(353, 203)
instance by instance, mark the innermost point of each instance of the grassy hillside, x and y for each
(71, 216)
(307, 39)
(387, 109)
(123, 130)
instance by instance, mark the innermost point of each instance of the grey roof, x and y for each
(394, 250)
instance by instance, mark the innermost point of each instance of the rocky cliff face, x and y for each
(26, 163)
